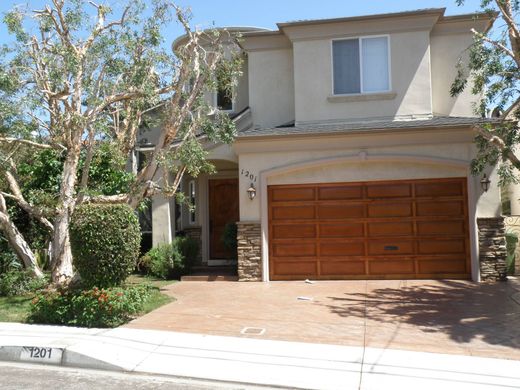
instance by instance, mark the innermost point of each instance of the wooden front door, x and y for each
(223, 209)
(411, 229)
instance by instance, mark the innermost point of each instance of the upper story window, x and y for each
(223, 97)
(361, 65)
(224, 100)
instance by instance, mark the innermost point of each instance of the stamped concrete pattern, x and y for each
(454, 317)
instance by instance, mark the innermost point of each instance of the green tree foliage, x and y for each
(105, 242)
(493, 72)
(79, 82)
(39, 179)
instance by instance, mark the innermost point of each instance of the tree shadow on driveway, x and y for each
(464, 311)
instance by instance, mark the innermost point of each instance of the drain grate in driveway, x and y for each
(253, 331)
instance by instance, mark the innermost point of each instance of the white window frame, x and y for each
(359, 38)
(192, 190)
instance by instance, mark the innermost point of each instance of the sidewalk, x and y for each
(265, 362)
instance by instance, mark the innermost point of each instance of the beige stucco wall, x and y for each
(352, 171)
(410, 80)
(271, 87)
(362, 158)
(446, 49)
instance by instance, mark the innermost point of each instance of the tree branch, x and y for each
(500, 46)
(106, 199)
(86, 167)
(499, 144)
(506, 9)
(100, 25)
(11, 140)
(26, 206)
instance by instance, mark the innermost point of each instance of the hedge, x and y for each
(105, 241)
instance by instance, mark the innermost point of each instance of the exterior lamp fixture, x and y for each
(251, 191)
(484, 183)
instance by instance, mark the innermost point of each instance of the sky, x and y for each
(266, 13)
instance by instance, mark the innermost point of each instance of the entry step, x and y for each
(212, 274)
(209, 278)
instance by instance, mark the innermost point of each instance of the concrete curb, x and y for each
(257, 362)
(68, 358)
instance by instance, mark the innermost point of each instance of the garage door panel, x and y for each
(386, 209)
(292, 212)
(389, 190)
(389, 267)
(390, 248)
(340, 192)
(341, 230)
(301, 268)
(375, 230)
(292, 194)
(455, 265)
(440, 228)
(441, 247)
(437, 208)
(378, 229)
(342, 249)
(455, 188)
(295, 231)
(289, 250)
(342, 268)
(341, 211)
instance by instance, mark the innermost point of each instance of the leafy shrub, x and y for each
(19, 282)
(105, 243)
(173, 260)
(8, 260)
(189, 249)
(95, 307)
(160, 260)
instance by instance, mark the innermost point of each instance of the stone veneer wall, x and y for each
(196, 234)
(249, 240)
(492, 245)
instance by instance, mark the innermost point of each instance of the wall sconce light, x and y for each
(484, 183)
(251, 191)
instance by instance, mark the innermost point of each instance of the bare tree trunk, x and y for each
(17, 241)
(61, 260)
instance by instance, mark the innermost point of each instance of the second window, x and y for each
(360, 65)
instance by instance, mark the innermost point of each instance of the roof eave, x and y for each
(357, 131)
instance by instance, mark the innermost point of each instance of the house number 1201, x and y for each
(41, 354)
(249, 175)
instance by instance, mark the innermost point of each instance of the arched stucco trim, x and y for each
(222, 152)
(365, 157)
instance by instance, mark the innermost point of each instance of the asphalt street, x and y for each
(15, 376)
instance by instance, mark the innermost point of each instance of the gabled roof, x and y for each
(364, 126)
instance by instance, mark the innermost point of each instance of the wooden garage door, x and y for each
(370, 230)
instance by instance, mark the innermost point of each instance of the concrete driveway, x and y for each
(456, 317)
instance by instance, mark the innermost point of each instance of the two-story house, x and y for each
(352, 159)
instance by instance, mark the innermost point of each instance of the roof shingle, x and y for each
(364, 126)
